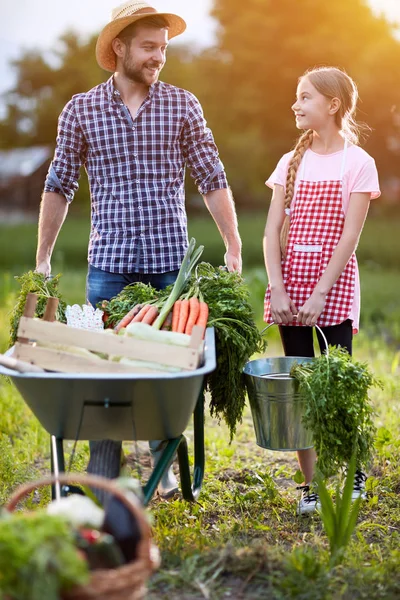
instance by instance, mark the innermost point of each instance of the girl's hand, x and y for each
(311, 309)
(282, 307)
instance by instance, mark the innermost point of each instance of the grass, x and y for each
(379, 244)
(242, 539)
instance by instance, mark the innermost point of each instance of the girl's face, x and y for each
(312, 110)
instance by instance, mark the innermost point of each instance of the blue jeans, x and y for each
(105, 455)
(102, 285)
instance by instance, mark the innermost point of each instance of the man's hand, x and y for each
(44, 267)
(233, 261)
(222, 209)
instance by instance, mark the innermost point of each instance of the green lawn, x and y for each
(242, 539)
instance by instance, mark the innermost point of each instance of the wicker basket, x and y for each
(127, 582)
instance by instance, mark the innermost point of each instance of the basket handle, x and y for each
(144, 549)
(316, 326)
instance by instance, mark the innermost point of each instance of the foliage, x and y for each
(38, 557)
(338, 411)
(120, 305)
(339, 519)
(265, 80)
(237, 339)
(246, 87)
(36, 283)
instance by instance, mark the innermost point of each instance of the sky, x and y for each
(37, 24)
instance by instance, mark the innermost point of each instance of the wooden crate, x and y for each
(32, 331)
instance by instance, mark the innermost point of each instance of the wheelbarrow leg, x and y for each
(163, 464)
(57, 462)
(191, 492)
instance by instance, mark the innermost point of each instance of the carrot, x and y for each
(203, 315)
(167, 325)
(128, 317)
(141, 313)
(183, 316)
(175, 314)
(151, 315)
(194, 309)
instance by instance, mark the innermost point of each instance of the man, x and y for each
(134, 135)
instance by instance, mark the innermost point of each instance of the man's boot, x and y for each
(168, 485)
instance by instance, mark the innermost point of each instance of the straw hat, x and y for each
(121, 17)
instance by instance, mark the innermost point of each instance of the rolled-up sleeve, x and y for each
(69, 155)
(201, 152)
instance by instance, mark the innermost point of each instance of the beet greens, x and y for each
(338, 410)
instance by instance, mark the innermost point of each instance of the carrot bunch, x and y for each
(187, 313)
(140, 313)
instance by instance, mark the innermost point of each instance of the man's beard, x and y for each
(137, 75)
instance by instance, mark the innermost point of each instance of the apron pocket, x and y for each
(305, 262)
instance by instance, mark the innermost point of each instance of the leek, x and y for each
(190, 260)
(142, 331)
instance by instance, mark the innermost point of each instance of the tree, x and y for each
(246, 84)
(267, 45)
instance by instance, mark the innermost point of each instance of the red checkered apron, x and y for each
(316, 225)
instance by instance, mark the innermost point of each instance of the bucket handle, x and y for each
(316, 326)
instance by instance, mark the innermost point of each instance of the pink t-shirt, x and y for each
(359, 175)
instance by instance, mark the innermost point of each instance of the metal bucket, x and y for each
(276, 405)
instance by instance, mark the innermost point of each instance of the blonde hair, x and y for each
(331, 83)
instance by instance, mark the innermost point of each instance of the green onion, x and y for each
(190, 260)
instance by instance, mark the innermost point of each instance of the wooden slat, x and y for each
(51, 309)
(64, 362)
(98, 341)
(29, 311)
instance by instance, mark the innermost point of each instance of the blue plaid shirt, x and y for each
(136, 172)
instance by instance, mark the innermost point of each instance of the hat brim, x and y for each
(105, 54)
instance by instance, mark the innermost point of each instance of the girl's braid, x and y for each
(304, 142)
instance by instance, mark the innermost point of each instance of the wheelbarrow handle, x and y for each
(19, 365)
(316, 326)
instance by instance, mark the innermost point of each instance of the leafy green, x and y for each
(339, 519)
(237, 339)
(36, 283)
(38, 557)
(135, 293)
(338, 411)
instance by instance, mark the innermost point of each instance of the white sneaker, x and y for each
(308, 503)
(359, 486)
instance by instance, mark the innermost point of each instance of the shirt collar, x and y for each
(113, 93)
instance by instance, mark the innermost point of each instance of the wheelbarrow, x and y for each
(123, 406)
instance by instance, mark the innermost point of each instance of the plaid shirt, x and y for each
(136, 172)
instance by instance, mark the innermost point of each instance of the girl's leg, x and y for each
(307, 460)
(342, 335)
(298, 341)
(338, 335)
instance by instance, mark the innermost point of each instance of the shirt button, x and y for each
(137, 181)
(133, 128)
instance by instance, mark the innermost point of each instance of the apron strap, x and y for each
(346, 145)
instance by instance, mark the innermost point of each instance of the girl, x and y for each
(322, 190)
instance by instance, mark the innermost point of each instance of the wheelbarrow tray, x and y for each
(118, 406)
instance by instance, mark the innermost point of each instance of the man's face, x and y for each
(145, 56)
